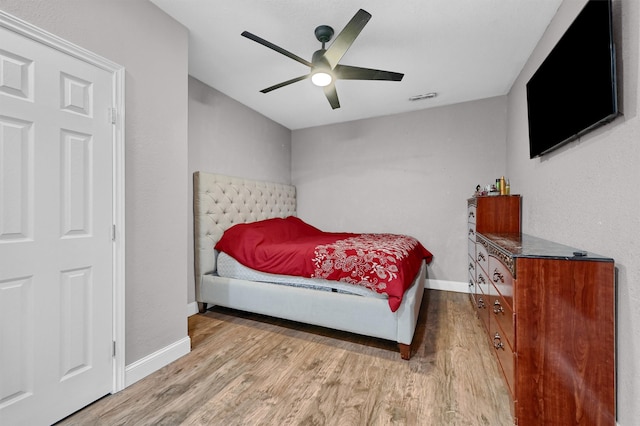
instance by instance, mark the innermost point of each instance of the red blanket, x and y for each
(385, 263)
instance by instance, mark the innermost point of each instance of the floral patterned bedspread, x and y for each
(384, 263)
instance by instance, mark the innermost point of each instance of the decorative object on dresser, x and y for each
(549, 313)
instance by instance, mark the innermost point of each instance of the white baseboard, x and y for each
(457, 286)
(155, 361)
(192, 308)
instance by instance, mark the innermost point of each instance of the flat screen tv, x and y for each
(574, 89)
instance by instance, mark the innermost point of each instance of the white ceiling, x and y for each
(461, 49)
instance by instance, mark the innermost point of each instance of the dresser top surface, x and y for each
(523, 245)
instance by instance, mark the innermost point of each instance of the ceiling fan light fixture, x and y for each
(321, 78)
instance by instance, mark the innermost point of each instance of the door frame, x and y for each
(117, 117)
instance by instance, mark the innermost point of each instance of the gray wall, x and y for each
(229, 138)
(586, 193)
(409, 173)
(153, 49)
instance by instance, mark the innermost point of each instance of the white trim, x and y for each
(45, 38)
(155, 361)
(457, 286)
(119, 255)
(192, 308)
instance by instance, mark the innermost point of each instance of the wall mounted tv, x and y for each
(574, 89)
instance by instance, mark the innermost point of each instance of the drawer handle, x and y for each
(471, 231)
(481, 304)
(497, 307)
(471, 266)
(481, 257)
(497, 342)
(497, 276)
(472, 215)
(481, 279)
(470, 284)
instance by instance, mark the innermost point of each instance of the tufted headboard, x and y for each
(220, 202)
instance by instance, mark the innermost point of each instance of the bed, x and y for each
(221, 202)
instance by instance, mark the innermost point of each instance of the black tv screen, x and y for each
(574, 89)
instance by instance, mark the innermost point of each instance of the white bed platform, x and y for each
(222, 201)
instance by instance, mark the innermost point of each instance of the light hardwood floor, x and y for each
(247, 369)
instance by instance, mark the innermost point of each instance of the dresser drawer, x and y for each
(471, 211)
(482, 308)
(472, 268)
(471, 248)
(472, 259)
(505, 358)
(472, 292)
(471, 231)
(502, 279)
(482, 258)
(501, 314)
(472, 276)
(482, 282)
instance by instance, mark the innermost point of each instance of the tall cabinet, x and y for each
(548, 310)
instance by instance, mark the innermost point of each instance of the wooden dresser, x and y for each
(494, 214)
(549, 316)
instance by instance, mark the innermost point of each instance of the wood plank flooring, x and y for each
(247, 369)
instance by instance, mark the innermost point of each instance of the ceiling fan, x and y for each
(325, 69)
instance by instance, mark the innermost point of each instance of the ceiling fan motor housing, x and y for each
(324, 33)
(318, 59)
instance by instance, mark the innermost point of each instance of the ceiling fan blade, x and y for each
(346, 72)
(332, 95)
(278, 49)
(346, 37)
(285, 83)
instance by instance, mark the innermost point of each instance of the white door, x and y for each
(56, 284)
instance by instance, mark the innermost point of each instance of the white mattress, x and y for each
(229, 267)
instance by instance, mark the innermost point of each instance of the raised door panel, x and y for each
(16, 180)
(76, 167)
(17, 331)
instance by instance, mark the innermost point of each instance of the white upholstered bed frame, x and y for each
(222, 201)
